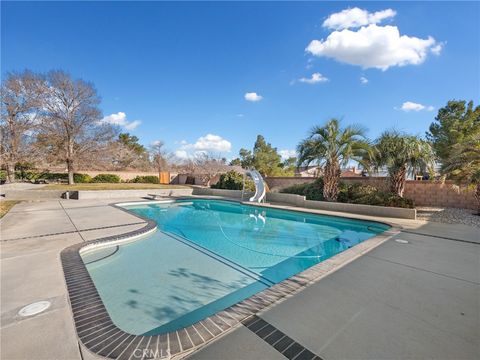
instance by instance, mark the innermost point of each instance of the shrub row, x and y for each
(34, 175)
(147, 179)
(78, 178)
(106, 178)
(354, 194)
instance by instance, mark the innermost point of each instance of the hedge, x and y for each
(106, 178)
(31, 175)
(147, 179)
(354, 194)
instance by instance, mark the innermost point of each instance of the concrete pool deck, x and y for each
(415, 300)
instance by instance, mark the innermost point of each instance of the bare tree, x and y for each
(21, 95)
(72, 131)
(159, 156)
(185, 166)
(207, 166)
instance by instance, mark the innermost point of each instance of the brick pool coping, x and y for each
(101, 336)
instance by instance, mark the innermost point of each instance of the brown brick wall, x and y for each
(423, 193)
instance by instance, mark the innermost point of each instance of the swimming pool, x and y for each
(209, 255)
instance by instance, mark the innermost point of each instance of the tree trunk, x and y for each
(477, 196)
(70, 161)
(11, 172)
(397, 181)
(70, 171)
(331, 177)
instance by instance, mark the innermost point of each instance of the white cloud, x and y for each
(253, 96)
(373, 46)
(437, 49)
(363, 80)
(160, 143)
(120, 119)
(314, 79)
(181, 154)
(212, 142)
(287, 153)
(240, 115)
(132, 125)
(412, 106)
(209, 142)
(353, 18)
(309, 63)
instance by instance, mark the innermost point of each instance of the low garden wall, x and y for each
(423, 193)
(116, 194)
(236, 194)
(32, 195)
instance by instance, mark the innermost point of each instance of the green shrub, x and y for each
(32, 175)
(233, 180)
(312, 191)
(29, 175)
(77, 177)
(386, 199)
(354, 194)
(148, 179)
(81, 178)
(106, 178)
(52, 176)
(3, 175)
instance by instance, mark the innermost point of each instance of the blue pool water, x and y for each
(208, 255)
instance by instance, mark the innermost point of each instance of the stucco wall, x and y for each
(123, 175)
(279, 182)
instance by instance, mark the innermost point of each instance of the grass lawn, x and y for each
(105, 186)
(6, 205)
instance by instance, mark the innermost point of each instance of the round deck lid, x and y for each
(34, 308)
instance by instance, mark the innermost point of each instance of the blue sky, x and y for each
(180, 71)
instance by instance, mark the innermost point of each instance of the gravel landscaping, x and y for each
(449, 215)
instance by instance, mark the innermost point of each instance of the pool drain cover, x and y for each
(34, 308)
(401, 241)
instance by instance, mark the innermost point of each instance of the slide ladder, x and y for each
(260, 190)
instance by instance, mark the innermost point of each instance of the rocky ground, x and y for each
(449, 215)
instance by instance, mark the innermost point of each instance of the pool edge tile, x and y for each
(82, 291)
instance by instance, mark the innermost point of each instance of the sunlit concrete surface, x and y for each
(416, 300)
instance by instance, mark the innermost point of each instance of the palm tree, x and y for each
(400, 154)
(463, 164)
(331, 147)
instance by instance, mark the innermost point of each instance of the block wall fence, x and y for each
(423, 193)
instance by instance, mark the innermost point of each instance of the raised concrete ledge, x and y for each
(116, 194)
(300, 201)
(36, 194)
(235, 194)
